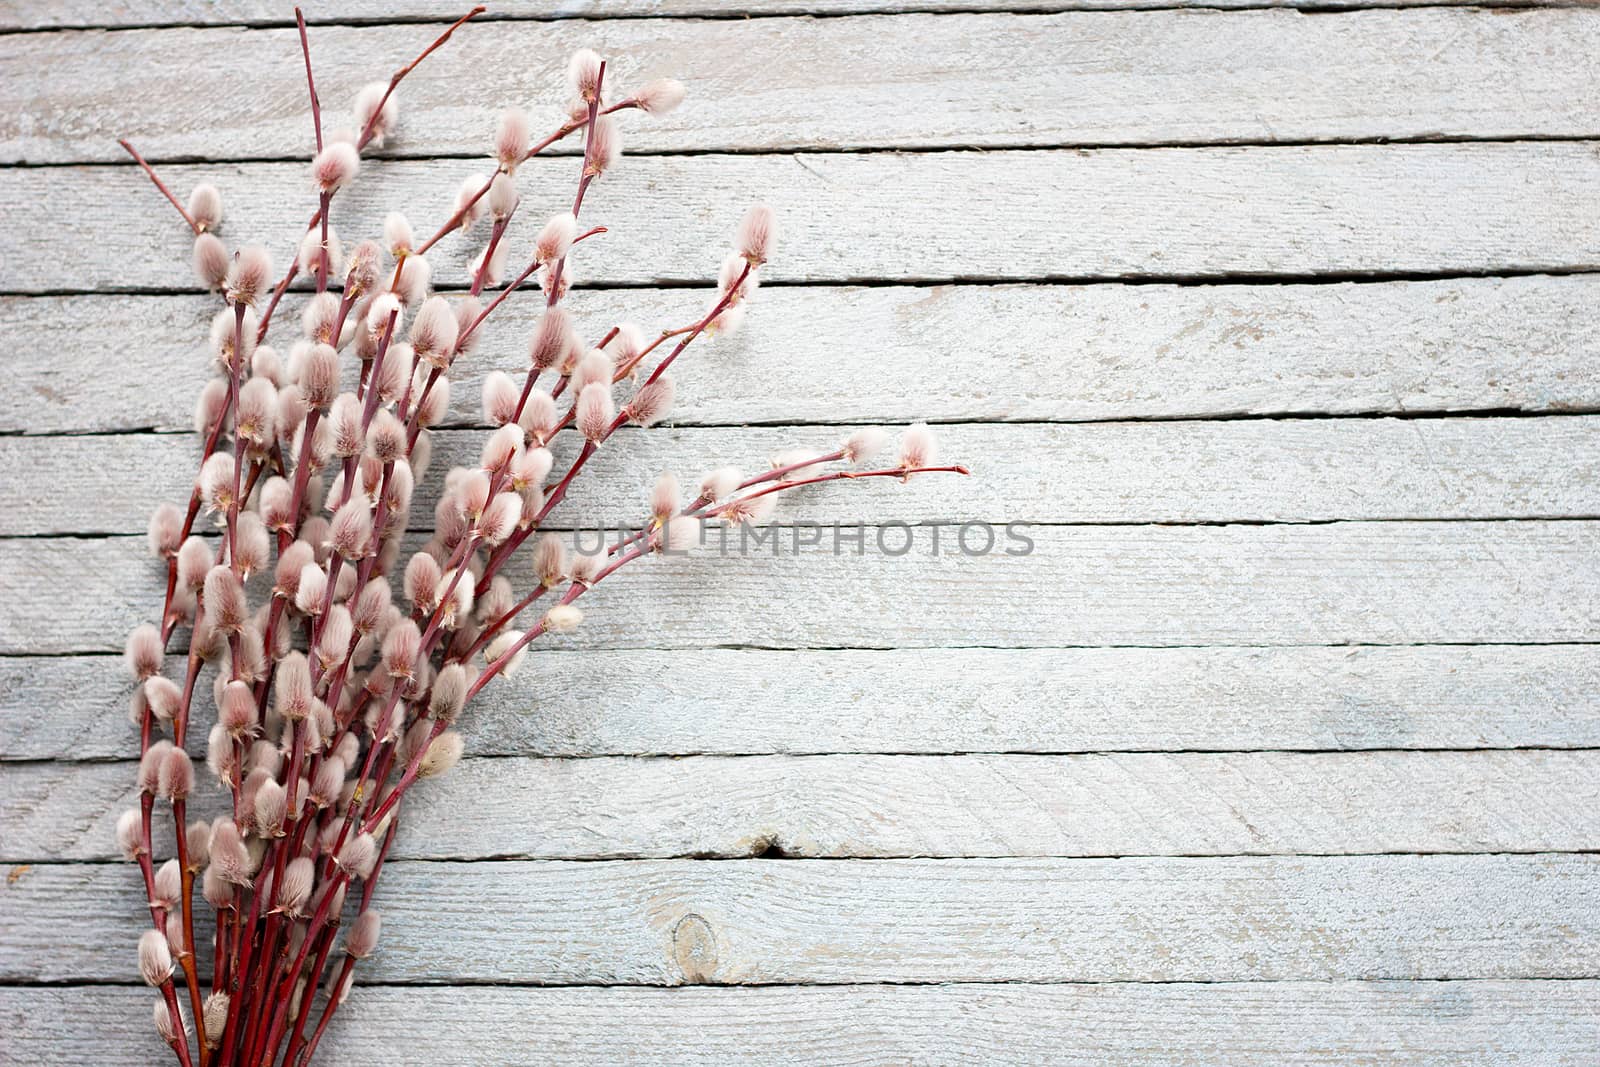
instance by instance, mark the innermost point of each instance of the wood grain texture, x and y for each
(1255, 1024)
(1168, 472)
(643, 702)
(1361, 583)
(840, 807)
(775, 84)
(1018, 352)
(1137, 213)
(671, 922)
(70, 14)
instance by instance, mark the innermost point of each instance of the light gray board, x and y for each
(774, 84)
(1169, 213)
(668, 922)
(1253, 1024)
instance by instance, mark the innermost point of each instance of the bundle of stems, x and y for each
(332, 696)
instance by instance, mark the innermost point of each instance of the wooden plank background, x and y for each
(1273, 321)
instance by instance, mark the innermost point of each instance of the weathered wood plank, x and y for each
(1169, 472)
(1257, 1024)
(1026, 352)
(775, 84)
(643, 702)
(73, 14)
(673, 922)
(1363, 583)
(1138, 213)
(836, 807)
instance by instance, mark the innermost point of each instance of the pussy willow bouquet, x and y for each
(332, 695)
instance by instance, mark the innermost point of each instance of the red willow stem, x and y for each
(311, 83)
(194, 226)
(553, 296)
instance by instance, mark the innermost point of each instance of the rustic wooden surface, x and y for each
(1283, 745)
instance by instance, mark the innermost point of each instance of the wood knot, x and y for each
(694, 947)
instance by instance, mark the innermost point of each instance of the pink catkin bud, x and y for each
(864, 444)
(755, 235)
(165, 532)
(211, 261)
(500, 396)
(719, 483)
(433, 332)
(143, 652)
(295, 888)
(271, 805)
(472, 491)
(215, 1019)
(335, 167)
(237, 710)
(205, 206)
(310, 255)
(605, 145)
(216, 481)
(594, 366)
(277, 504)
(194, 562)
(361, 275)
(449, 693)
(652, 402)
(682, 534)
(225, 601)
(664, 498)
(595, 411)
(292, 691)
(441, 755)
(351, 531)
(584, 566)
(176, 778)
(334, 641)
(660, 96)
(386, 438)
(375, 109)
(511, 138)
(539, 418)
(471, 210)
(169, 885)
(165, 1025)
(253, 544)
(530, 467)
(422, 579)
(320, 377)
(553, 339)
(363, 936)
(500, 518)
(556, 237)
(583, 75)
(500, 448)
(397, 234)
(155, 958)
(401, 647)
(249, 277)
(563, 618)
(311, 589)
(358, 856)
(918, 448)
(286, 578)
(130, 834)
(163, 697)
(550, 561)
